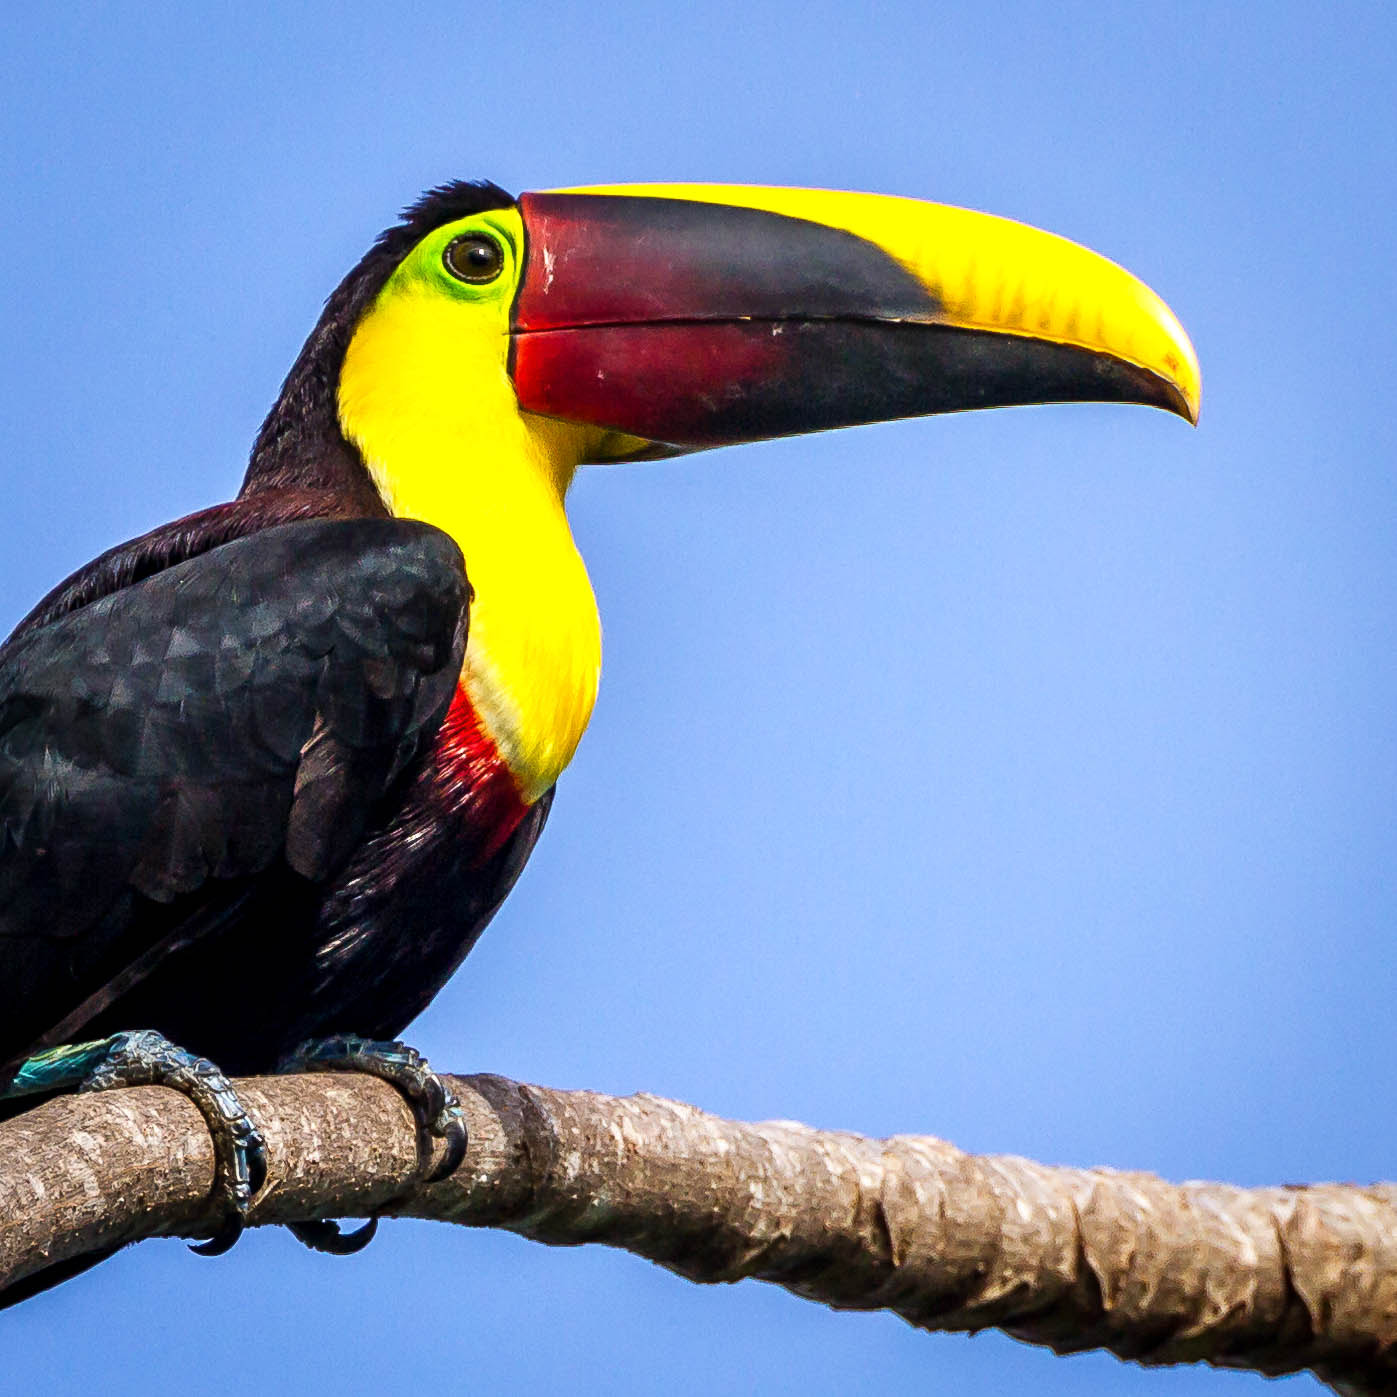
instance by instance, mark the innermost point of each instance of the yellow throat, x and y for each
(425, 395)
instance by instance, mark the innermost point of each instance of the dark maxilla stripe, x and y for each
(599, 259)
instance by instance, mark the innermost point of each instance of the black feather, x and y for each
(245, 709)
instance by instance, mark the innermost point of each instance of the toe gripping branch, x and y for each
(438, 1113)
(148, 1058)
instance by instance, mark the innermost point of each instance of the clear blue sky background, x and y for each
(1026, 778)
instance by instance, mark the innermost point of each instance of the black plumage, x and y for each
(168, 745)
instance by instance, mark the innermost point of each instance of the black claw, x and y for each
(456, 1138)
(330, 1238)
(223, 1240)
(256, 1164)
(433, 1096)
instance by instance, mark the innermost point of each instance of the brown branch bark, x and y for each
(1273, 1279)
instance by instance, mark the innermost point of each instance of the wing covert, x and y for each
(171, 740)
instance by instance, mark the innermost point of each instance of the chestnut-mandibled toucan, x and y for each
(266, 772)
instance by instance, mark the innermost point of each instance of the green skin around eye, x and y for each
(424, 267)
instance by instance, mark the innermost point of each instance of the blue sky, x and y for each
(1027, 778)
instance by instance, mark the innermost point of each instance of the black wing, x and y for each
(160, 747)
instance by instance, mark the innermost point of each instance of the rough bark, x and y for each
(1273, 1279)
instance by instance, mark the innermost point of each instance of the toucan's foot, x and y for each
(147, 1058)
(438, 1113)
(328, 1236)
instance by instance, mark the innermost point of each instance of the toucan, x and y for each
(266, 772)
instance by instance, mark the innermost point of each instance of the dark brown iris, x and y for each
(474, 257)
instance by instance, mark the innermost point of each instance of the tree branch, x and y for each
(1275, 1279)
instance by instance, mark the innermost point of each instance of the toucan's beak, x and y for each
(698, 315)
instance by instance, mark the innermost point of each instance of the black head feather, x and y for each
(459, 198)
(300, 444)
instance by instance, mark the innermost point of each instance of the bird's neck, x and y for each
(465, 459)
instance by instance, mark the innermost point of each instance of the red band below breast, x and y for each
(470, 780)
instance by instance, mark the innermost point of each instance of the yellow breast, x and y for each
(434, 416)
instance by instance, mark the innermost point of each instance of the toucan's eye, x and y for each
(474, 257)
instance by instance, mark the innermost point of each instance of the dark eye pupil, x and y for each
(473, 257)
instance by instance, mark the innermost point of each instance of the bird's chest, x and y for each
(495, 482)
(468, 784)
(532, 662)
(459, 808)
(424, 884)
